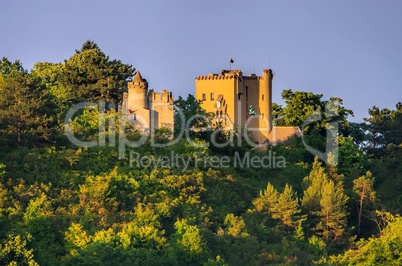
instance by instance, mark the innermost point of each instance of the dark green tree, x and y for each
(189, 116)
(302, 107)
(385, 127)
(382, 250)
(91, 75)
(88, 45)
(299, 105)
(27, 112)
(8, 68)
(88, 75)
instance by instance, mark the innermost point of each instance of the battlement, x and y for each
(225, 74)
(232, 74)
(160, 97)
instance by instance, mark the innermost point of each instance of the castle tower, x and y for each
(137, 92)
(147, 110)
(137, 103)
(230, 96)
(265, 101)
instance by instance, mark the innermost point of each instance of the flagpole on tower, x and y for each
(231, 61)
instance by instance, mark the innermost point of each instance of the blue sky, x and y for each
(348, 49)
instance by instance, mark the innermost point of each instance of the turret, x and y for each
(266, 95)
(137, 93)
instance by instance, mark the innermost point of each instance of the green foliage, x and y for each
(26, 111)
(267, 200)
(91, 75)
(15, 252)
(50, 76)
(332, 213)
(325, 203)
(314, 182)
(77, 238)
(8, 68)
(163, 135)
(67, 205)
(352, 159)
(385, 128)
(236, 226)
(189, 117)
(363, 187)
(188, 243)
(320, 120)
(143, 231)
(302, 105)
(382, 250)
(299, 105)
(287, 208)
(104, 198)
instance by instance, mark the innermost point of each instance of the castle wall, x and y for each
(212, 88)
(162, 109)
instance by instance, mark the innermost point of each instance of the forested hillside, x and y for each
(189, 203)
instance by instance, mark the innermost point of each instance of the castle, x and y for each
(147, 110)
(237, 100)
(234, 99)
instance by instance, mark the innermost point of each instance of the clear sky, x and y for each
(349, 49)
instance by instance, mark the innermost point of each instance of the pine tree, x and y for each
(332, 213)
(332, 170)
(316, 179)
(267, 199)
(363, 187)
(286, 209)
(325, 202)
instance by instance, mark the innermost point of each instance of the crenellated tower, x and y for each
(137, 92)
(147, 110)
(232, 97)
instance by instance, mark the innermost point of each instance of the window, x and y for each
(212, 96)
(204, 96)
(262, 97)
